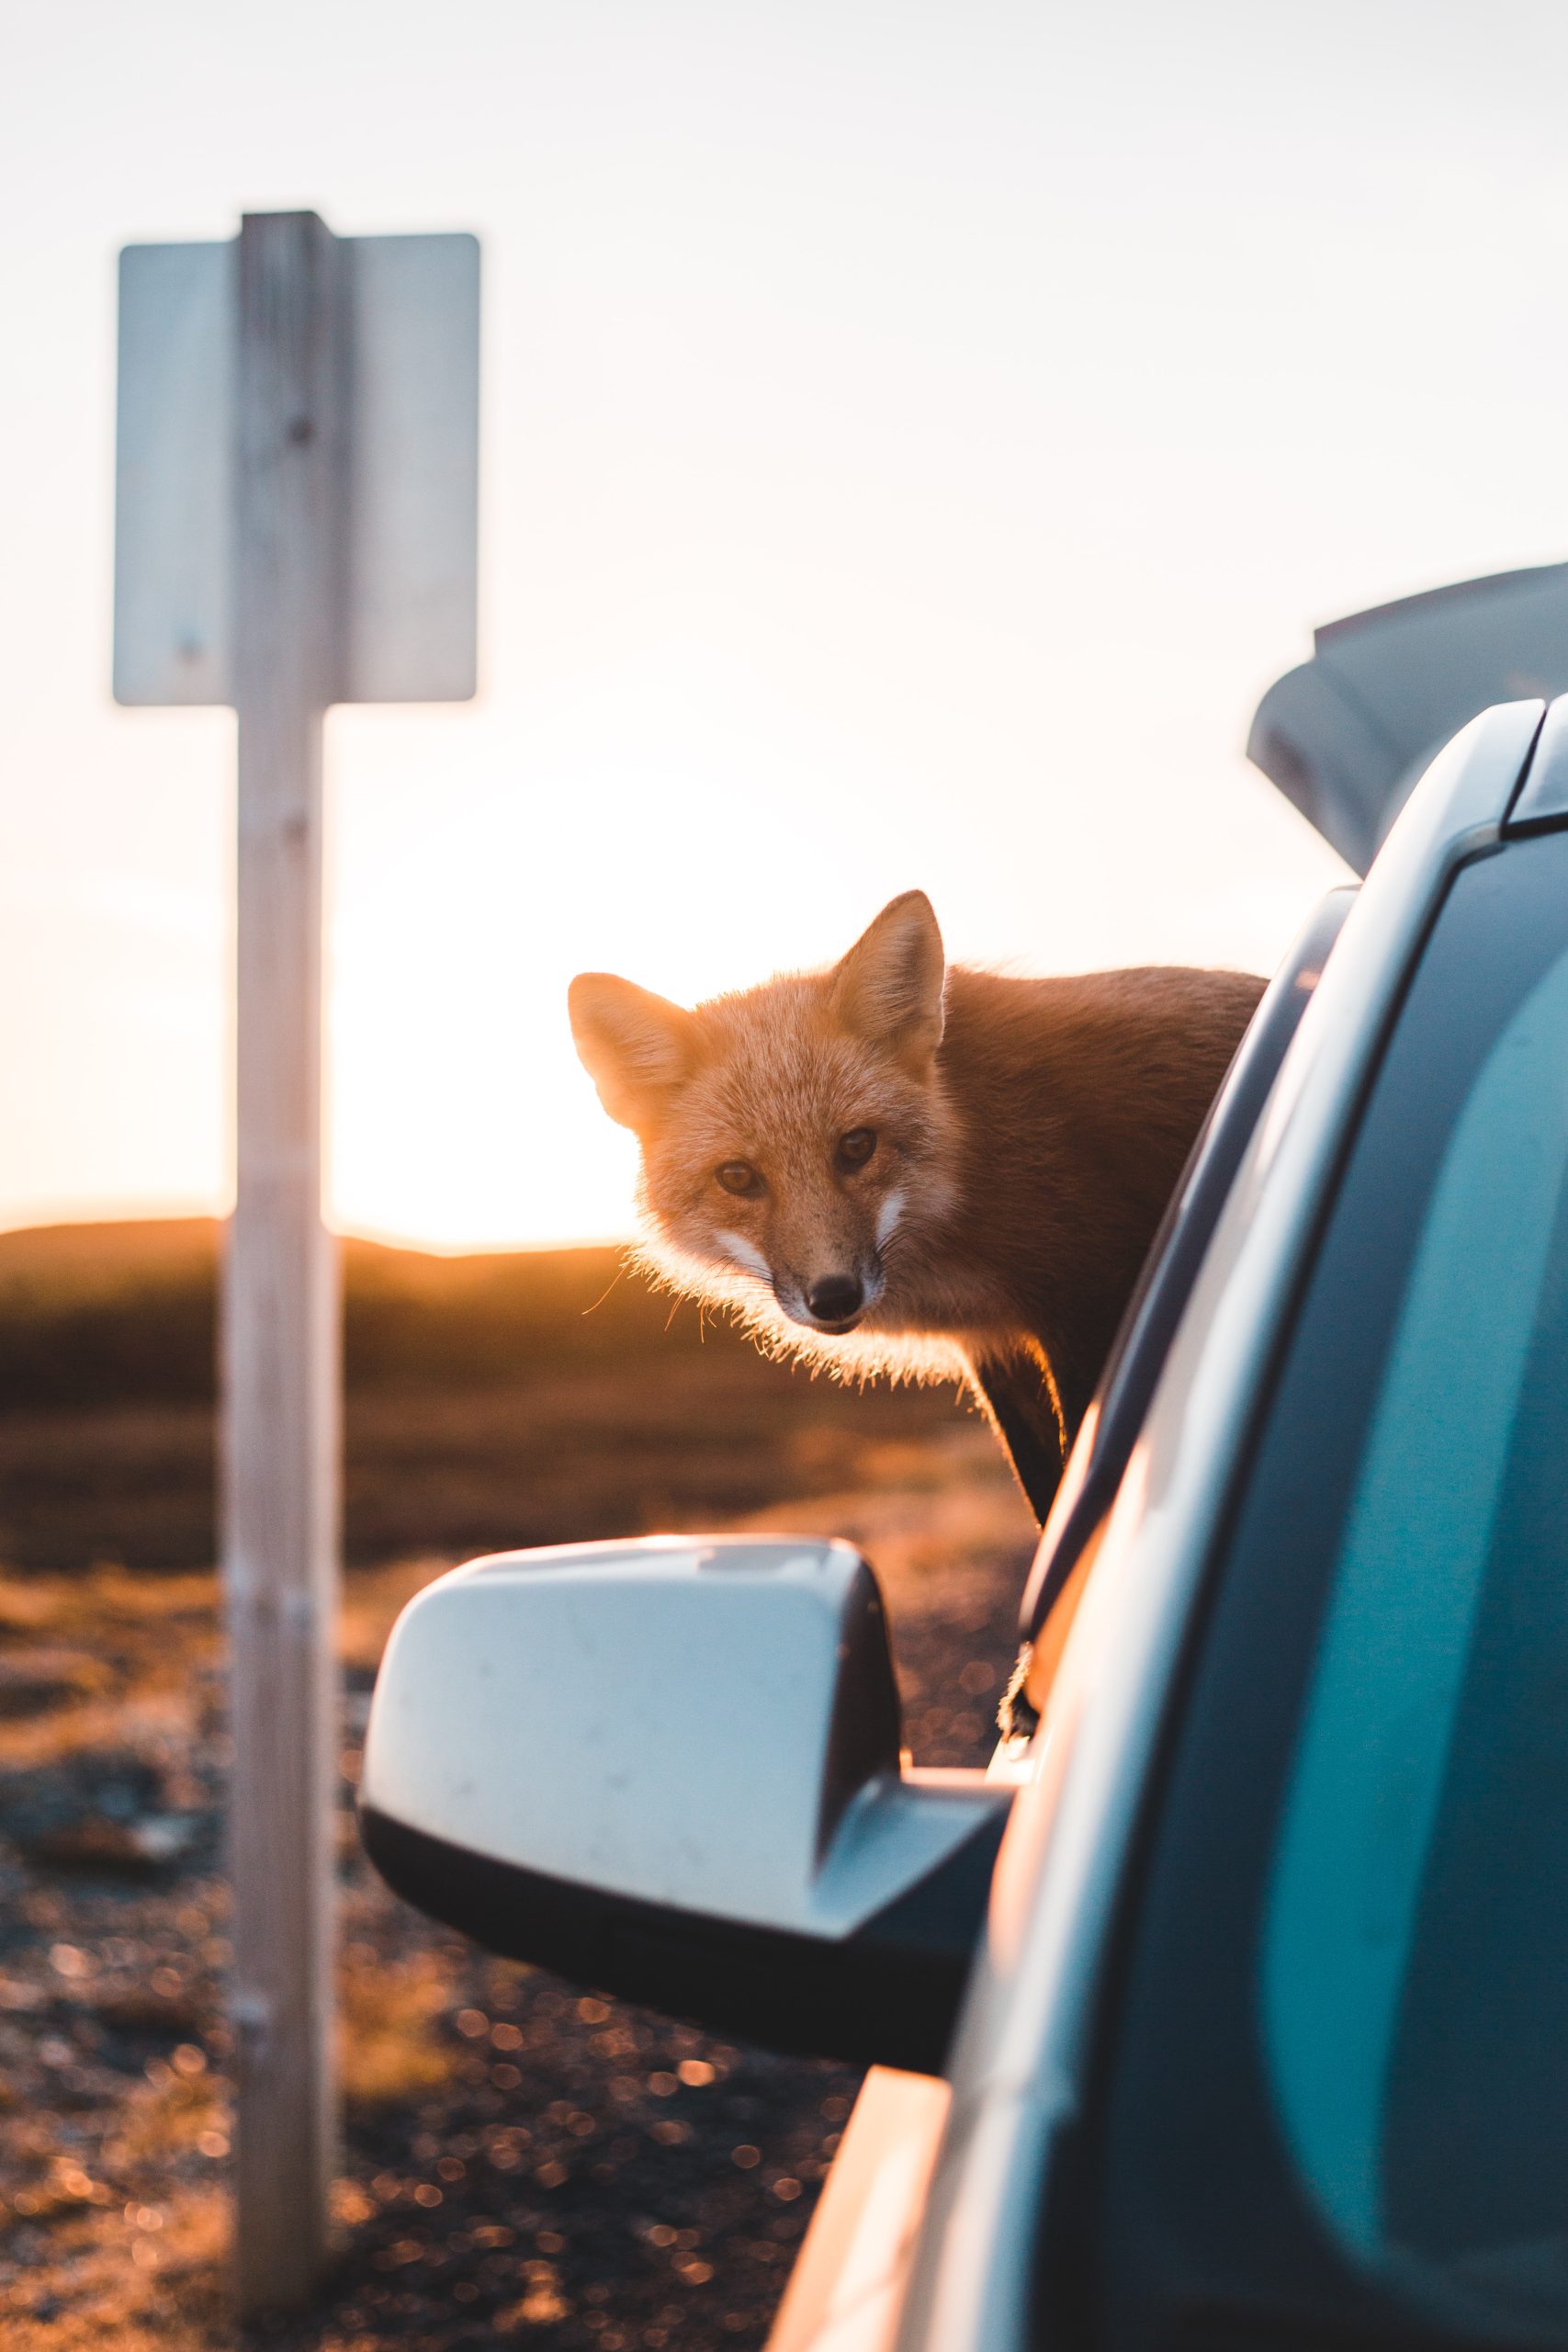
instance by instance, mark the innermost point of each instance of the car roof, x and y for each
(1346, 736)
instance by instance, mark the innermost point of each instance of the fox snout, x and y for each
(823, 1267)
(836, 1299)
(832, 1302)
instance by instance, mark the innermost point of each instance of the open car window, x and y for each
(1133, 1369)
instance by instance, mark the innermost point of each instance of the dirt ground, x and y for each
(522, 2161)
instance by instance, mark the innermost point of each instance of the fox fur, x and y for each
(904, 1169)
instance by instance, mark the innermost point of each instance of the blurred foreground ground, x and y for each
(523, 2162)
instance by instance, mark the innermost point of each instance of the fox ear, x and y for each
(633, 1045)
(890, 987)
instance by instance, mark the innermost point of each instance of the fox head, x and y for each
(790, 1132)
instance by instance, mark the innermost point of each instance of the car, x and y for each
(1226, 2009)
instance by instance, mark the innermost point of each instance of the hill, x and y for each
(514, 1398)
(94, 1314)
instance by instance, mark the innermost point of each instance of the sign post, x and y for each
(280, 1319)
(296, 526)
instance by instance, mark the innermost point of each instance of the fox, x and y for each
(900, 1168)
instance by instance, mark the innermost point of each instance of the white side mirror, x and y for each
(670, 1770)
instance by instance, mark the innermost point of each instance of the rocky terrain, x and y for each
(523, 2160)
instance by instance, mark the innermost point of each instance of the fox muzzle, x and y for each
(834, 1301)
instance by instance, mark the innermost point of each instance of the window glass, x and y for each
(1440, 1704)
(1330, 2098)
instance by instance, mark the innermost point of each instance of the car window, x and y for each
(1333, 2075)
(1437, 1722)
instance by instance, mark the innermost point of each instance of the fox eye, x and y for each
(738, 1176)
(856, 1147)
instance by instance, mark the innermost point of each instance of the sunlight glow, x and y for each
(914, 440)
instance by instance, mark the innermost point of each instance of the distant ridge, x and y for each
(529, 1397)
(126, 1312)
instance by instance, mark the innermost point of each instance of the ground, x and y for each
(523, 2161)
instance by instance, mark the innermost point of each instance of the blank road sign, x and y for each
(409, 519)
(173, 499)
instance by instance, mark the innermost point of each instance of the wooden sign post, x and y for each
(280, 1321)
(296, 526)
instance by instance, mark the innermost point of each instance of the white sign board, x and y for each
(410, 526)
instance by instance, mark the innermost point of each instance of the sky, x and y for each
(914, 437)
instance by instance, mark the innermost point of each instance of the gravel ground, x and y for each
(521, 2160)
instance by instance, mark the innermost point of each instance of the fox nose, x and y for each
(835, 1298)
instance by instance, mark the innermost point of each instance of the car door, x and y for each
(1028, 2062)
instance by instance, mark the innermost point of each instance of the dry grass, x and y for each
(391, 2049)
(521, 2162)
(144, 2279)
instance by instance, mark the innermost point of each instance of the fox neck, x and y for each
(1074, 1102)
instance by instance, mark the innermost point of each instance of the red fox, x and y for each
(902, 1167)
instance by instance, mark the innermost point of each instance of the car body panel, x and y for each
(843, 2291)
(1543, 799)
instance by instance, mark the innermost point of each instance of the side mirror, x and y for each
(670, 1770)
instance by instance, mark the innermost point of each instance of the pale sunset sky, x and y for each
(916, 432)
